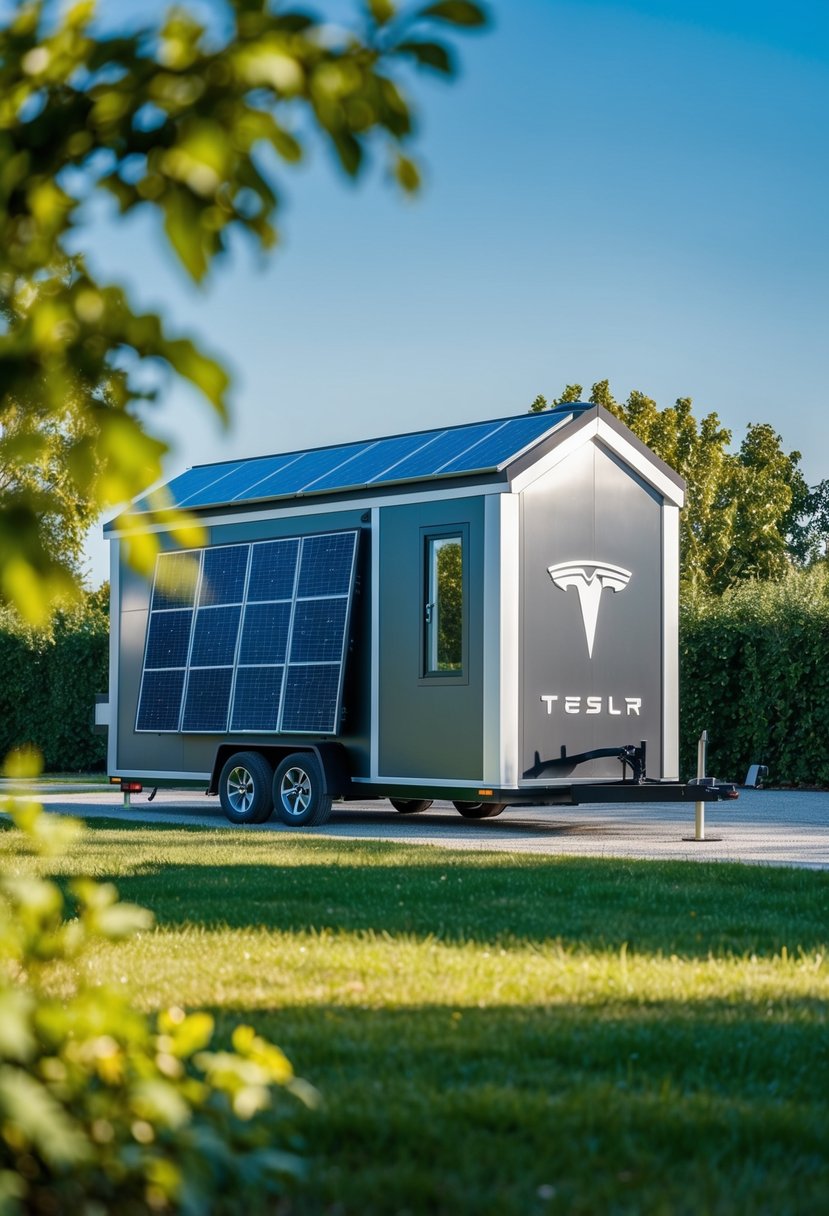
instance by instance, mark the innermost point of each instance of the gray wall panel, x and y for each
(588, 511)
(427, 728)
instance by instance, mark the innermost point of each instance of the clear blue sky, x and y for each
(633, 189)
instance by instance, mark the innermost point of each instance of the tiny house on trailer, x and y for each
(483, 613)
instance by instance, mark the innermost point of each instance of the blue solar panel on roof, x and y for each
(257, 698)
(160, 706)
(310, 700)
(325, 567)
(273, 570)
(207, 701)
(223, 575)
(374, 458)
(199, 481)
(476, 447)
(252, 471)
(509, 439)
(296, 476)
(431, 459)
(187, 483)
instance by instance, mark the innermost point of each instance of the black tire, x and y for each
(246, 788)
(480, 810)
(299, 795)
(410, 806)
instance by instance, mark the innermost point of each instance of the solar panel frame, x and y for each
(191, 480)
(307, 468)
(244, 679)
(346, 624)
(190, 678)
(493, 450)
(430, 460)
(216, 681)
(151, 682)
(375, 459)
(417, 456)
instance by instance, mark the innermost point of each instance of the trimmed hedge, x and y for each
(754, 672)
(48, 682)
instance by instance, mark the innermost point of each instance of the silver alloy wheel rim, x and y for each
(240, 790)
(295, 791)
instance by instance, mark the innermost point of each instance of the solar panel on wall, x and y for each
(250, 635)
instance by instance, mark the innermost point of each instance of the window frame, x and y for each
(428, 537)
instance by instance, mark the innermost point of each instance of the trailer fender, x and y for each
(332, 758)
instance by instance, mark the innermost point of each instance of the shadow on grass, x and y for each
(562, 1109)
(655, 907)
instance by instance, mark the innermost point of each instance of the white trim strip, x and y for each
(374, 747)
(114, 651)
(510, 640)
(670, 643)
(149, 774)
(492, 640)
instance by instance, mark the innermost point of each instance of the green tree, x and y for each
(200, 130)
(746, 513)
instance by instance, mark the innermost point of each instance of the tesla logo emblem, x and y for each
(589, 579)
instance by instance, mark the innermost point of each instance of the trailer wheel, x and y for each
(299, 791)
(480, 810)
(410, 806)
(245, 788)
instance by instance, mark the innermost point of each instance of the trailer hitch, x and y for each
(629, 756)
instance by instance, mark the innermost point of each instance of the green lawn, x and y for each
(498, 1034)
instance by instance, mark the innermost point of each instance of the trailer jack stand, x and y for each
(699, 836)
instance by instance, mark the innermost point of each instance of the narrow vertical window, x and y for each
(443, 633)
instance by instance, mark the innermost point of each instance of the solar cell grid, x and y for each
(474, 447)
(247, 474)
(186, 484)
(497, 447)
(265, 633)
(214, 491)
(176, 578)
(431, 459)
(168, 638)
(160, 705)
(318, 631)
(325, 568)
(257, 698)
(295, 476)
(223, 575)
(311, 700)
(273, 570)
(214, 638)
(193, 653)
(374, 458)
(207, 699)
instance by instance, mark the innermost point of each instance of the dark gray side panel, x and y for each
(588, 511)
(177, 753)
(428, 728)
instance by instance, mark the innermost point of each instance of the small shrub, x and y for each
(104, 1109)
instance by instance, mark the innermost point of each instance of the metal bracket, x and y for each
(629, 756)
